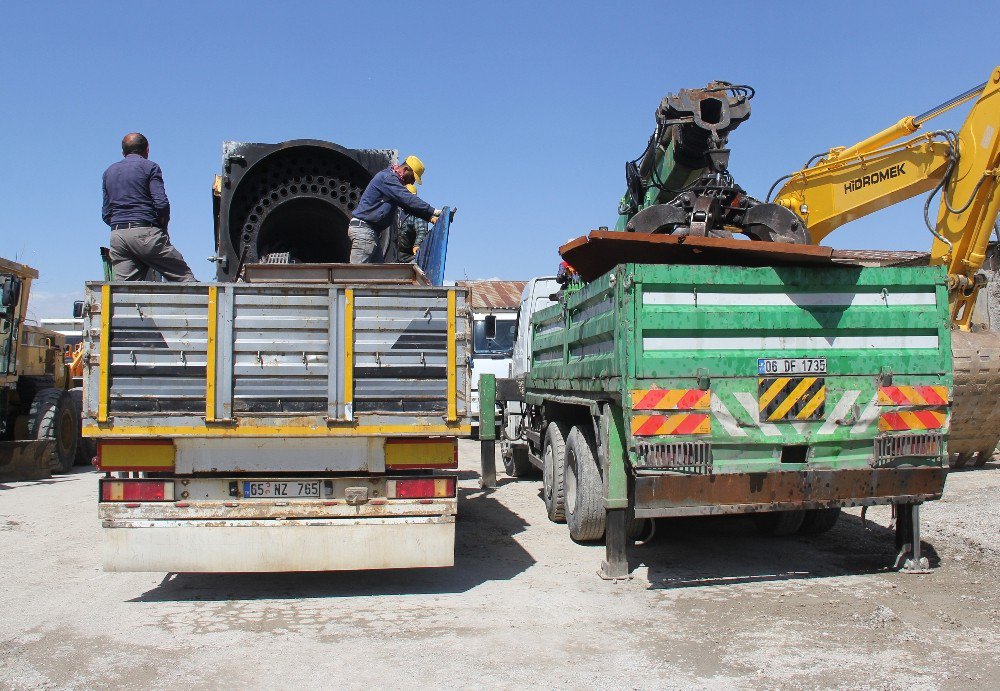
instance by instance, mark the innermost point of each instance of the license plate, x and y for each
(791, 366)
(280, 489)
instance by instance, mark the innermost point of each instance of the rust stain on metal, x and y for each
(766, 491)
(597, 253)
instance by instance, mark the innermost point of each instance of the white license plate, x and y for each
(787, 366)
(280, 489)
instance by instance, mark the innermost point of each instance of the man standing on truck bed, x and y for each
(378, 206)
(137, 209)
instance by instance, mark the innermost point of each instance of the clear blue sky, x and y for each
(524, 112)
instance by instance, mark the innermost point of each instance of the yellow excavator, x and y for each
(898, 163)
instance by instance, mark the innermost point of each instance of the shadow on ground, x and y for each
(728, 550)
(485, 550)
(6, 484)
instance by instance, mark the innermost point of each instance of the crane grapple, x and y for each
(681, 184)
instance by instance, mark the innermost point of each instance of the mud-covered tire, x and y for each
(53, 415)
(585, 513)
(553, 484)
(817, 521)
(515, 460)
(779, 522)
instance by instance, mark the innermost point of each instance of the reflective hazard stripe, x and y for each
(913, 395)
(901, 420)
(671, 399)
(682, 423)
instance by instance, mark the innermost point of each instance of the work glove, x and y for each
(453, 211)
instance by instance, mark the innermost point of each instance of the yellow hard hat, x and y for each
(416, 165)
(412, 188)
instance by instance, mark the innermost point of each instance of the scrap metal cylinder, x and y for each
(294, 198)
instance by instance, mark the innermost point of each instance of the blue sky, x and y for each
(524, 112)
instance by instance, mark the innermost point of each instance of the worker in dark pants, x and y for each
(412, 231)
(378, 206)
(137, 209)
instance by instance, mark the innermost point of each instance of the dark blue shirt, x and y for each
(133, 192)
(383, 196)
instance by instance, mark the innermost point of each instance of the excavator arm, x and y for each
(848, 183)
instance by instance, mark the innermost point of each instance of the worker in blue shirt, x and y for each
(378, 206)
(138, 211)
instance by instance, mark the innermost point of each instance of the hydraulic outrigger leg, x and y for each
(908, 540)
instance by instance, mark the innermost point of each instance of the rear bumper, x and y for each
(722, 493)
(242, 545)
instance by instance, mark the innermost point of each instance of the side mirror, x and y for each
(10, 291)
(491, 327)
(78, 309)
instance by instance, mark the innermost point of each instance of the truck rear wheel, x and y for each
(585, 511)
(779, 522)
(818, 521)
(53, 415)
(553, 485)
(515, 459)
(86, 449)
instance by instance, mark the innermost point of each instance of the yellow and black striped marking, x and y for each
(791, 398)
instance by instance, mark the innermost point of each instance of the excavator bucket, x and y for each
(25, 460)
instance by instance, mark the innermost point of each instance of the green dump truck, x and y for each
(786, 389)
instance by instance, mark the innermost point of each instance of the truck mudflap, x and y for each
(665, 495)
(247, 545)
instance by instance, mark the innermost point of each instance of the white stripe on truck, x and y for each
(797, 343)
(698, 298)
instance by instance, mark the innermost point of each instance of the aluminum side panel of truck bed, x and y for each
(265, 359)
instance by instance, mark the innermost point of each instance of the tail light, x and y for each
(137, 490)
(421, 488)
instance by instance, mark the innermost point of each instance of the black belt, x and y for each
(132, 224)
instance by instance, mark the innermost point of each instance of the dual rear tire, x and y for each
(572, 486)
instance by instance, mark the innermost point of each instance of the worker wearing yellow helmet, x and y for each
(412, 231)
(378, 206)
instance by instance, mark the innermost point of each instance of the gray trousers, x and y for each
(134, 251)
(365, 247)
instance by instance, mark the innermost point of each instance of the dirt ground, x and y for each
(711, 604)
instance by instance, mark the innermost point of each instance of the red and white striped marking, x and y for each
(662, 425)
(671, 399)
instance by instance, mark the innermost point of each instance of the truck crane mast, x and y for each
(681, 183)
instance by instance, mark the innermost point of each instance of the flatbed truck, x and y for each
(304, 419)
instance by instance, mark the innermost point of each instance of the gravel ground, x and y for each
(711, 604)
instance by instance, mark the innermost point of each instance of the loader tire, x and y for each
(553, 480)
(779, 522)
(53, 415)
(585, 512)
(817, 521)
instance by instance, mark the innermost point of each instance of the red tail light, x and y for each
(422, 488)
(137, 490)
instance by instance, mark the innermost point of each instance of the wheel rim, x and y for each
(547, 474)
(570, 482)
(65, 432)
